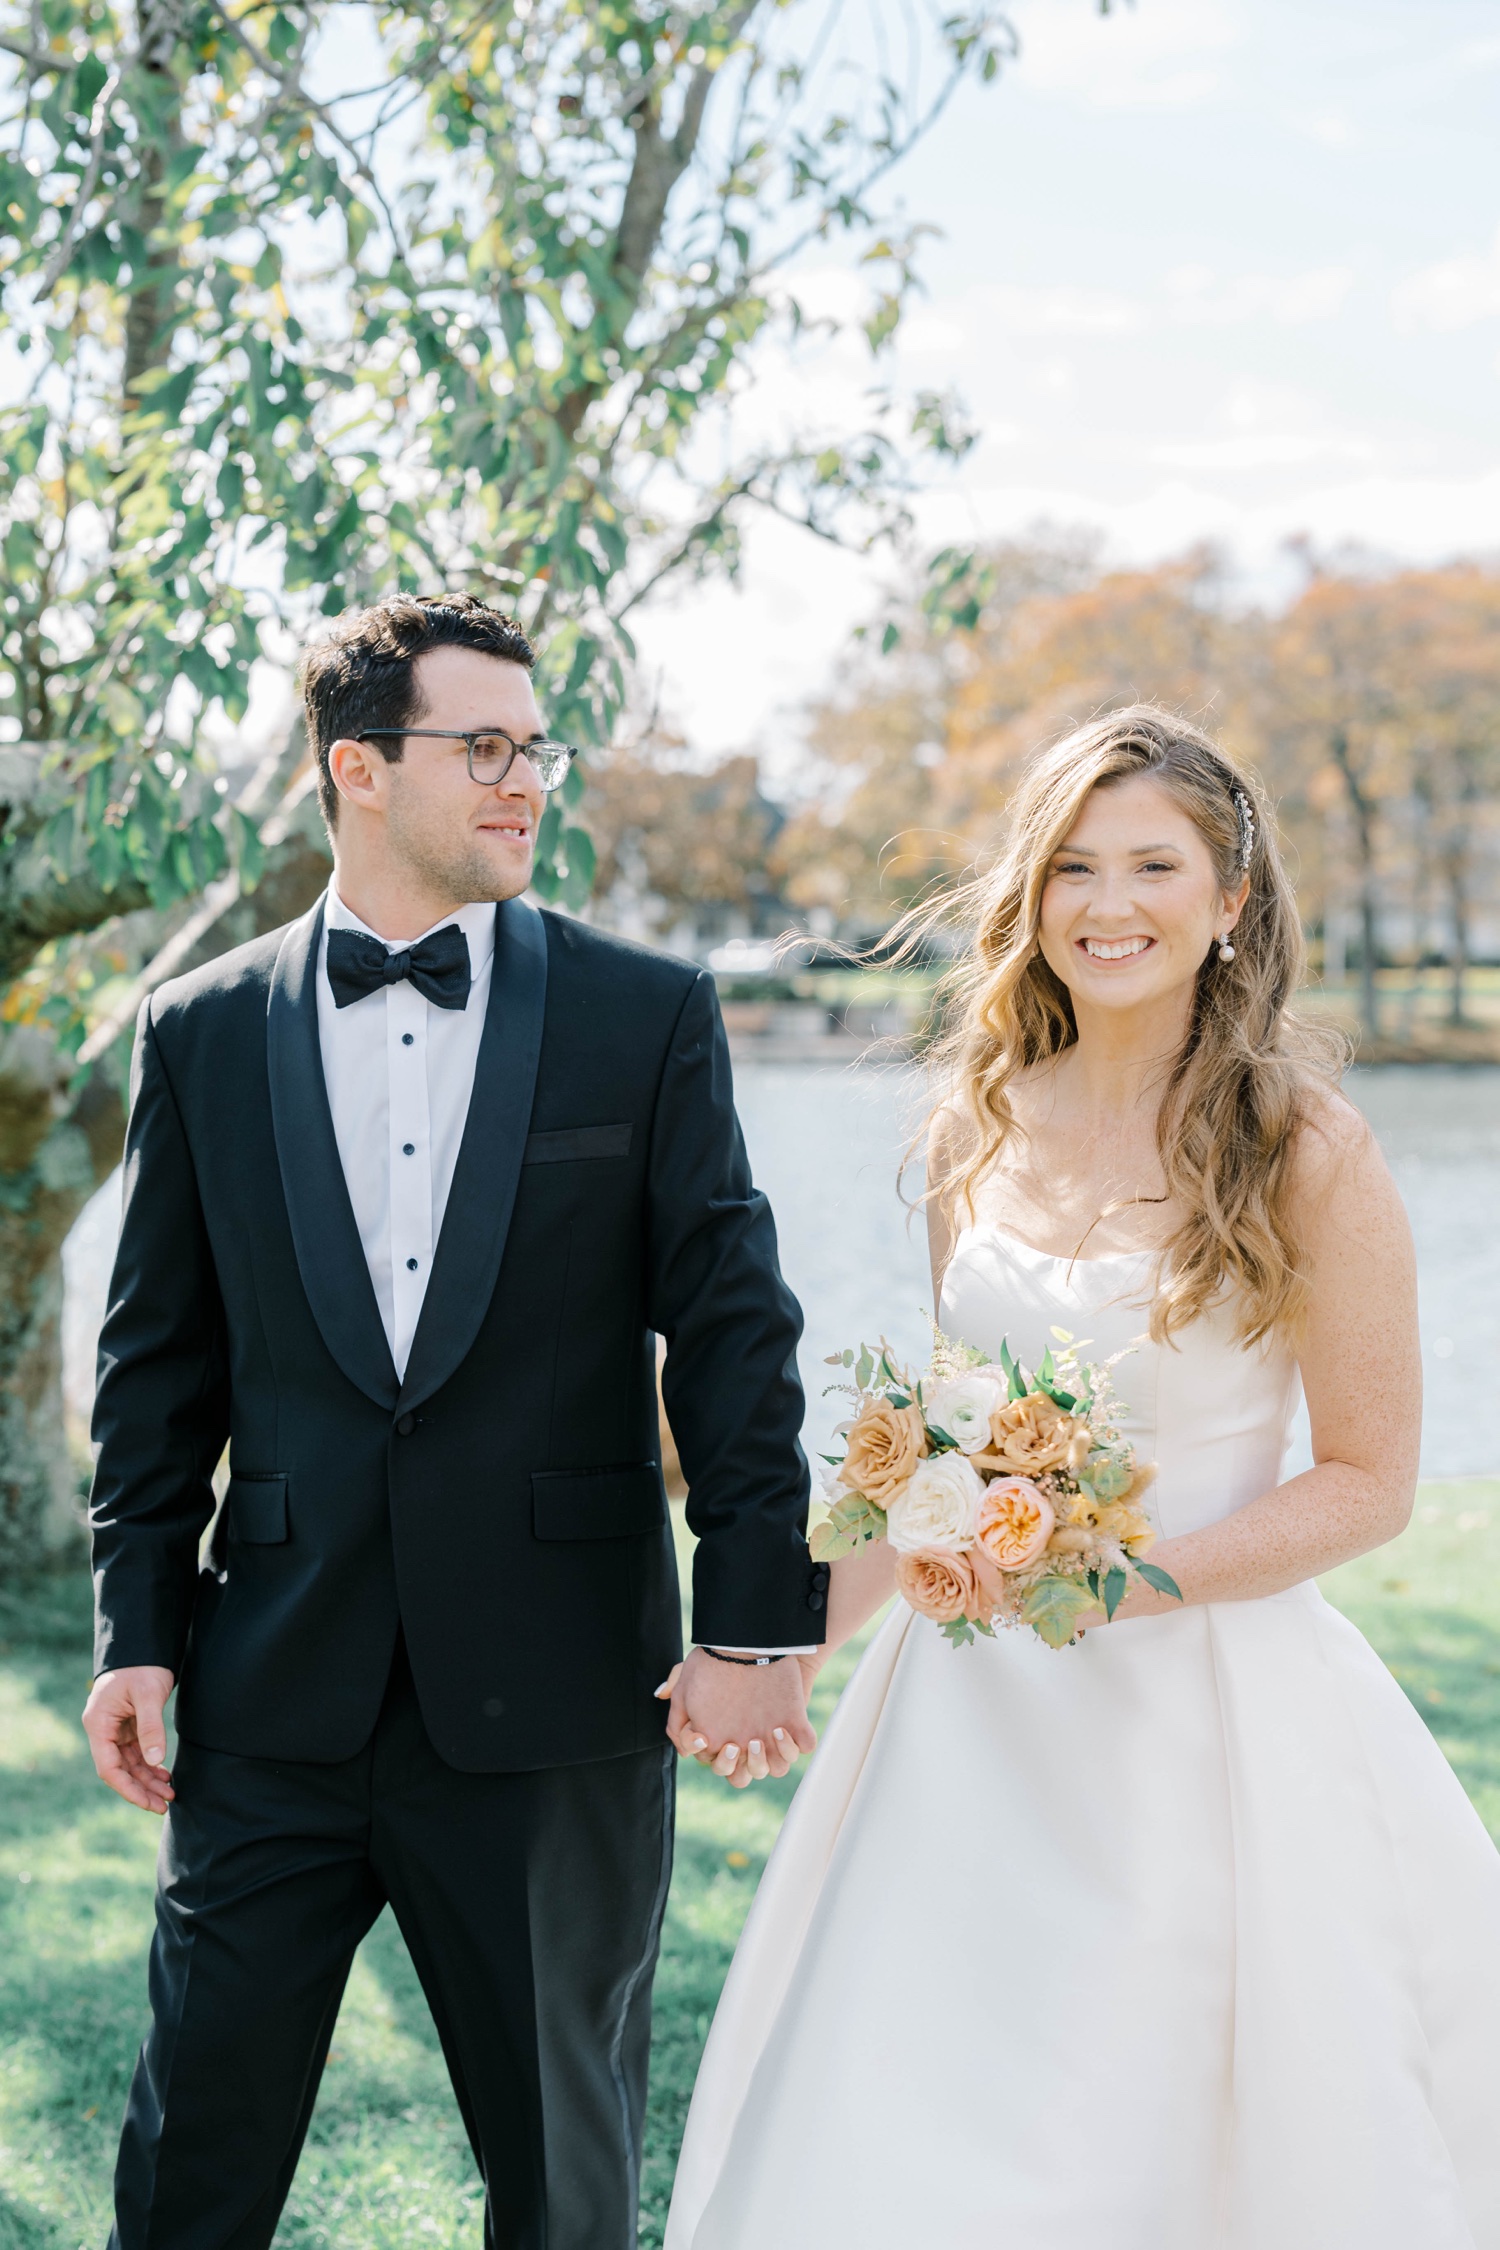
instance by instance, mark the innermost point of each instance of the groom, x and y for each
(408, 1188)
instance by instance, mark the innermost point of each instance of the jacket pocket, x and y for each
(256, 1508)
(575, 1141)
(597, 1503)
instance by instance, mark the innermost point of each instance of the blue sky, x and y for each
(1223, 268)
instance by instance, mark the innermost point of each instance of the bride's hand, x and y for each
(732, 1762)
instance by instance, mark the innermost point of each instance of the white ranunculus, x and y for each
(939, 1510)
(963, 1408)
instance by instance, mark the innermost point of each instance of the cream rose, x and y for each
(1015, 1522)
(885, 1445)
(962, 1409)
(1031, 1434)
(941, 1587)
(938, 1513)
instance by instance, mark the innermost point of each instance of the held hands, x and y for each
(127, 1733)
(749, 1722)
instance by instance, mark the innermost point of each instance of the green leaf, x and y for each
(852, 1522)
(1012, 1372)
(1114, 1590)
(1053, 1608)
(865, 1367)
(959, 1632)
(250, 852)
(1155, 1576)
(1106, 1476)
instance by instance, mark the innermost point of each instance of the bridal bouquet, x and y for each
(1009, 1499)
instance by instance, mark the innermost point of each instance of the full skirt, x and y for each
(1183, 1939)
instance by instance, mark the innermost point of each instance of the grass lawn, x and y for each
(386, 2163)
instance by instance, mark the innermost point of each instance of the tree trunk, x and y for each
(1364, 845)
(55, 1150)
(57, 1145)
(1455, 870)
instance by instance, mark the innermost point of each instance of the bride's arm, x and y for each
(860, 1584)
(1362, 1374)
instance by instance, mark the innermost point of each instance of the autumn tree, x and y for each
(678, 843)
(879, 816)
(1450, 718)
(1344, 701)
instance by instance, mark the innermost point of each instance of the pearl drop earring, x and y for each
(1226, 950)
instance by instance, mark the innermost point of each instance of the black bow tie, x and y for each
(438, 966)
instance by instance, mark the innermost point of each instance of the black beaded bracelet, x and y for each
(757, 1661)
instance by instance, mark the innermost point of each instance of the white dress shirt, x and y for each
(399, 1074)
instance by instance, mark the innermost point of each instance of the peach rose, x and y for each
(885, 1445)
(1031, 1434)
(1015, 1522)
(941, 1587)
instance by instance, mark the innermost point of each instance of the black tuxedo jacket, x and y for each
(504, 1502)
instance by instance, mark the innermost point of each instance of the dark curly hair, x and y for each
(363, 674)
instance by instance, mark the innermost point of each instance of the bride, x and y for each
(1184, 1938)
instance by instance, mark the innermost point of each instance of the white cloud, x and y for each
(1330, 128)
(1058, 311)
(1264, 449)
(1164, 56)
(1454, 293)
(1199, 299)
(928, 332)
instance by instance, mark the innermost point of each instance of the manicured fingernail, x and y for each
(755, 1749)
(660, 1690)
(700, 1742)
(780, 1733)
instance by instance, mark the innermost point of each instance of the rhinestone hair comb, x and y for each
(1247, 827)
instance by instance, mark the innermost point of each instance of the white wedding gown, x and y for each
(1186, 1938)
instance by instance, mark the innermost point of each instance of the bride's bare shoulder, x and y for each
(1340, 1182)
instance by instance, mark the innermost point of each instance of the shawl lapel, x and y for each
(466, 1264)
(330, 1255)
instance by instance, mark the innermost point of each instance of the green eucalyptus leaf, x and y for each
(1164, 1583)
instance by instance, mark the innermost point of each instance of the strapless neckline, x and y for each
(1053, 1257)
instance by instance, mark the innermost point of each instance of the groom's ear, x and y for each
(357, 771)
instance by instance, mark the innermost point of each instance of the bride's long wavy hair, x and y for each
(1248, 1074)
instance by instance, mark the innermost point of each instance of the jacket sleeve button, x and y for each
(815, 1600)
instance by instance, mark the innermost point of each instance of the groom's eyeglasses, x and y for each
(491, 755)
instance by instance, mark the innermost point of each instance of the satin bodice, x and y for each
(1213, 1415)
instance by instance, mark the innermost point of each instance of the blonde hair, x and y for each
(1248, 1074)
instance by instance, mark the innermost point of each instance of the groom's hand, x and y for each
(124, 1719)
(748, 1721)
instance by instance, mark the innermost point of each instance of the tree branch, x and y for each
(62, 249)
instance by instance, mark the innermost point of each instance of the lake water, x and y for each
(826, 1140)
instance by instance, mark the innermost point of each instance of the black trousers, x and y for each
(531, 1904)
